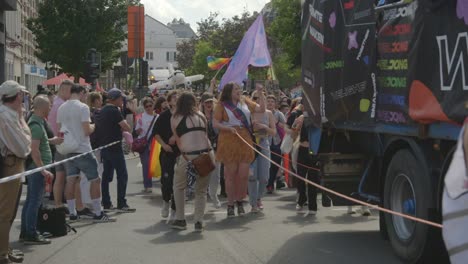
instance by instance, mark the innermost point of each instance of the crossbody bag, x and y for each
(139, 144)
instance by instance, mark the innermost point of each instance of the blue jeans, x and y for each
(36, 185)
(258, 176)
(114, 160)
(144, 158)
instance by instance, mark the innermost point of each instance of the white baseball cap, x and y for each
(11, 88)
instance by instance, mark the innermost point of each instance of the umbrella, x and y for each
(62, 77)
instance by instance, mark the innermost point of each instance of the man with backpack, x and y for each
(41, 155)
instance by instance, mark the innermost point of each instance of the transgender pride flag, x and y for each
(253, 50)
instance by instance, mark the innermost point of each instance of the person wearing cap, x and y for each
(15, 146)
(109, 126)
(207, 106)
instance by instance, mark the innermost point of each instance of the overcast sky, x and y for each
(193, 11)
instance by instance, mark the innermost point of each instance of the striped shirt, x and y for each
(455, 206)
(15, 136)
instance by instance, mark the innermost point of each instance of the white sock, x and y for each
(72, 207)
(97, 206)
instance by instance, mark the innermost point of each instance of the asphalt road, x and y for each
(279, 235)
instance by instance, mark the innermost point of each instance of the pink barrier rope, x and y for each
(376, 207)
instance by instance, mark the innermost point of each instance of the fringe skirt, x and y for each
(231, 149)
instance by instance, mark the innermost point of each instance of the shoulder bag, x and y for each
(139, 145)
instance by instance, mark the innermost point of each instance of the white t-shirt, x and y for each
(72, 114)
(144, 123)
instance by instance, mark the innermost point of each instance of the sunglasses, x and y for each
(255, 98)
(148, 106)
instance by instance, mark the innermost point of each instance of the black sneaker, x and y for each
(64, 209)
(36, 240)
(179, 224)
(85, 214)
(108, 208)
(103, 218)
(198, 227)
(230, 211)
(125, 209)
(74, 218)
(280, 185)
(240, 209)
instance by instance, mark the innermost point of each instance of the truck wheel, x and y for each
(408, 190)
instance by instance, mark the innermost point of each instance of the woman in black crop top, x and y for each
(310, 160)
(189, 127)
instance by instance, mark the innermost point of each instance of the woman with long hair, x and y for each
(207, 105)
(161, 105)
(190, 130)
(144, 126)
(232, 116)
(264, 129)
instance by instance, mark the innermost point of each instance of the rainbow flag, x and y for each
(154, 166)
(217, 63)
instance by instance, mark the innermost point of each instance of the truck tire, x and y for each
(408, 190)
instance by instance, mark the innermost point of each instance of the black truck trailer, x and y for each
(385, 88)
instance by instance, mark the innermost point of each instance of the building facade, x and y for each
(5, 5)
(182, 30)
(160, 44)
(21, 64)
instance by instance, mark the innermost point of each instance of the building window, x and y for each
(149, 56)
(171, 56)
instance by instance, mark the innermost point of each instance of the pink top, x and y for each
(52, 118)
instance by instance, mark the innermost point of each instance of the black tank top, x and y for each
(182, 128)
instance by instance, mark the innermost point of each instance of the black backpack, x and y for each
(53, 221)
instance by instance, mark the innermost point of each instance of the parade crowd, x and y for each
(189, 127)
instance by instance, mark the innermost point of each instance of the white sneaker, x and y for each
(350, 210)
(299, 209)
(365, 211)
(172, 217)
(217, 204)
(255, 210)
(310, 212)
(165, 210)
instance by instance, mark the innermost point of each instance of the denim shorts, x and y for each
(86, 164)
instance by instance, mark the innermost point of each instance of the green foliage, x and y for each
(285, 30)
(285, 36)
(185, 53)
(66, 29)
(222, 40)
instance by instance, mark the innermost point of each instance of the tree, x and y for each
(207, 27)
(66, 29)
(228, 38)
(285, 30)
(185, 53)
(203, 49)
